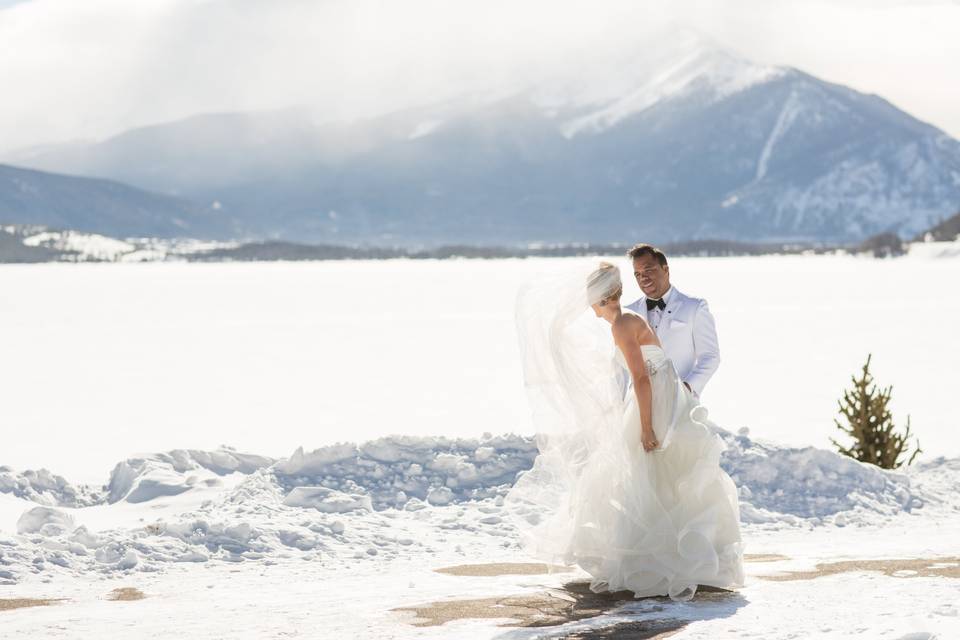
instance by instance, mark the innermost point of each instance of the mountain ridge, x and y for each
(694, 143)
(29, 196)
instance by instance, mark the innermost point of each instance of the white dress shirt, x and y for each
(655, 315)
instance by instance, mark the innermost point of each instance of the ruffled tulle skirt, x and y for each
(656, 523)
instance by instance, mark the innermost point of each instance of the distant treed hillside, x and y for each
(102, 206)
(12, 249)
(945, 231)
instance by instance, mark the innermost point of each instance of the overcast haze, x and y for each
(87, 70)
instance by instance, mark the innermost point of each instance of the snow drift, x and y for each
(390, 497)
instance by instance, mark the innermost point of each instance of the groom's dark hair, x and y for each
(644, 249)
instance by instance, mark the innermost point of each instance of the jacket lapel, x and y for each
(673, 307)
(639, 307)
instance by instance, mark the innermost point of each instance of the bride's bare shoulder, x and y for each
(629, 323)
(630, 326)
(629, 318)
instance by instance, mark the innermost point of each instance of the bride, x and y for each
(627, 483)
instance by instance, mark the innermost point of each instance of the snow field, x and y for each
(268, 357)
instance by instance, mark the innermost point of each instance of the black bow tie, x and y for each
(660, 304)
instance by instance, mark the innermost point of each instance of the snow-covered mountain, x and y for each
(675, 141)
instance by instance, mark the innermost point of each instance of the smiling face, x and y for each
(653, 278)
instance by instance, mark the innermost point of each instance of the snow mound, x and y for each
(404, 472)
(782, 484)
(45, 520)
(168, 474)
(395, 497)
(46, 488)
(395, 469)
(213, 537)
(777, 484)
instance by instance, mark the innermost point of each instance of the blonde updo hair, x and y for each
(604, 284)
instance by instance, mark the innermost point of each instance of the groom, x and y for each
(683, 324)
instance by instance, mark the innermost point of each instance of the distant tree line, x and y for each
(276, 250)
(882, 245)
(12, 249)
(946, 231)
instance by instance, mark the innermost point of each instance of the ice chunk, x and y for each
(482, 454)
(46, 521)
(301, 463)
(85, 538)
(440, 496)
(414, 504)
(298, 539)
(193, 556)
(327, 500)
(129, 560)
(160, 484)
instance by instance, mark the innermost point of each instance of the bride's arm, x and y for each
(625, 337)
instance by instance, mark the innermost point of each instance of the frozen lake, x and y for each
(100, 362)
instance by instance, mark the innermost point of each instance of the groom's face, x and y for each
(653, 278)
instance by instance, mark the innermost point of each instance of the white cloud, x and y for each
(87, 69)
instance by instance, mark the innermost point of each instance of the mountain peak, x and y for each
(604, 90)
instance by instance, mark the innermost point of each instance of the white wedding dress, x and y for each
(656, 523)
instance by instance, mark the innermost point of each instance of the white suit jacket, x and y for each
(688, 335)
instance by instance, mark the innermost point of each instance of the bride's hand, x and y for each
(649, 440)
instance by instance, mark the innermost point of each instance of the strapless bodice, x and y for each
(653, 356)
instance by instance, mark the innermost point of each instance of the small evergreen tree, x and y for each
(870, 424)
